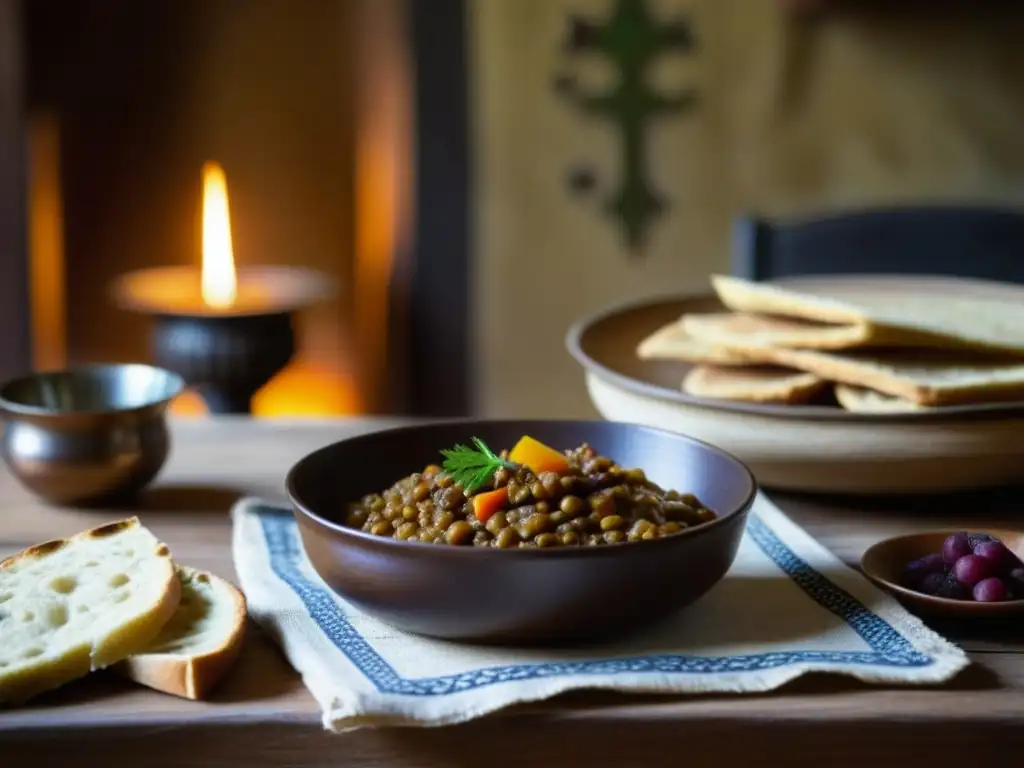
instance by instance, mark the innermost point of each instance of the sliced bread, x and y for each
(753, 384)
(889, 319)
(671, 342)
(71, 606)
(926, 377)
(199, 644)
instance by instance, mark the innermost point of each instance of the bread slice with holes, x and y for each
(71, 606)
(200, 643)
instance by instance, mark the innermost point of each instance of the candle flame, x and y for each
(219, 281)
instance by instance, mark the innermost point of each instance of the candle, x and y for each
(228, 330)
(219, 280)
(219, 288)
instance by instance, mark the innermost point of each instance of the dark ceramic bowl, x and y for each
(518, 595)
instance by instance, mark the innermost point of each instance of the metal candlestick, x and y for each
(226, 359)
(226, 356)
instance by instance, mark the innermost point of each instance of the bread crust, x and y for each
(882, 374)
(671, 342)
(746, 296)
(93, 653)
(192, 676)
(916, 320)
(753, 384)
(860, 400)
(712, 328)
(39, 551)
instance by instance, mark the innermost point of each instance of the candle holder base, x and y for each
(225, 358)
(226, 354)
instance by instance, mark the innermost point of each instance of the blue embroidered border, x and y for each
(888, 647)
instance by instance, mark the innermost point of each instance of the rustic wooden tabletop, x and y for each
(263, 715)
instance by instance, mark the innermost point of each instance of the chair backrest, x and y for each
(942, 240)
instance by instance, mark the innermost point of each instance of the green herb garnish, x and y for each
(473, 467)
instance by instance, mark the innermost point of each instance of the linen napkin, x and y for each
(787, 607)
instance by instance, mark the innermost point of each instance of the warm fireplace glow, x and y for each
(317, 222)
(219, 281)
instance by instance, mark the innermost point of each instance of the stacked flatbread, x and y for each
(880, 352)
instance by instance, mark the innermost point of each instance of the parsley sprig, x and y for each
(473, 467)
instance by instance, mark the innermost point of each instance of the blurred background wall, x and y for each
(343, 129)
(877, 102)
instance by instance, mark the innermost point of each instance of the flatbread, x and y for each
(671, 342)
(860, 400)
(752, 384)
(891, 320)
(926, 377)
(714, 328)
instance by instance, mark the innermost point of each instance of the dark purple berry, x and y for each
(970, 569)
(932, 583)
(996, 552)
(924, 566)
(991, 590)
(955, 547)
(952, 589)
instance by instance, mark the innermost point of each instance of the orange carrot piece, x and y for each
(487, 503)
(537, 457)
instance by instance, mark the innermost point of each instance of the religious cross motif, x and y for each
(632, 39)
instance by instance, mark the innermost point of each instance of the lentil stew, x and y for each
(530, 497)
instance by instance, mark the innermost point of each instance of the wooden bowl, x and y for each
(883, 564)
(518, 595)
(812, 448)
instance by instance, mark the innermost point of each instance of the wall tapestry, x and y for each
(632, 40)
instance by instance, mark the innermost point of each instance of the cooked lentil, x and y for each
(595, 503)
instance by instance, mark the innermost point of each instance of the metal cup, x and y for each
(88, 435)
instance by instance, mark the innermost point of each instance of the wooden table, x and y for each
(263, 715)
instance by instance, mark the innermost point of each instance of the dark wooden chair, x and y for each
(943, 240)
